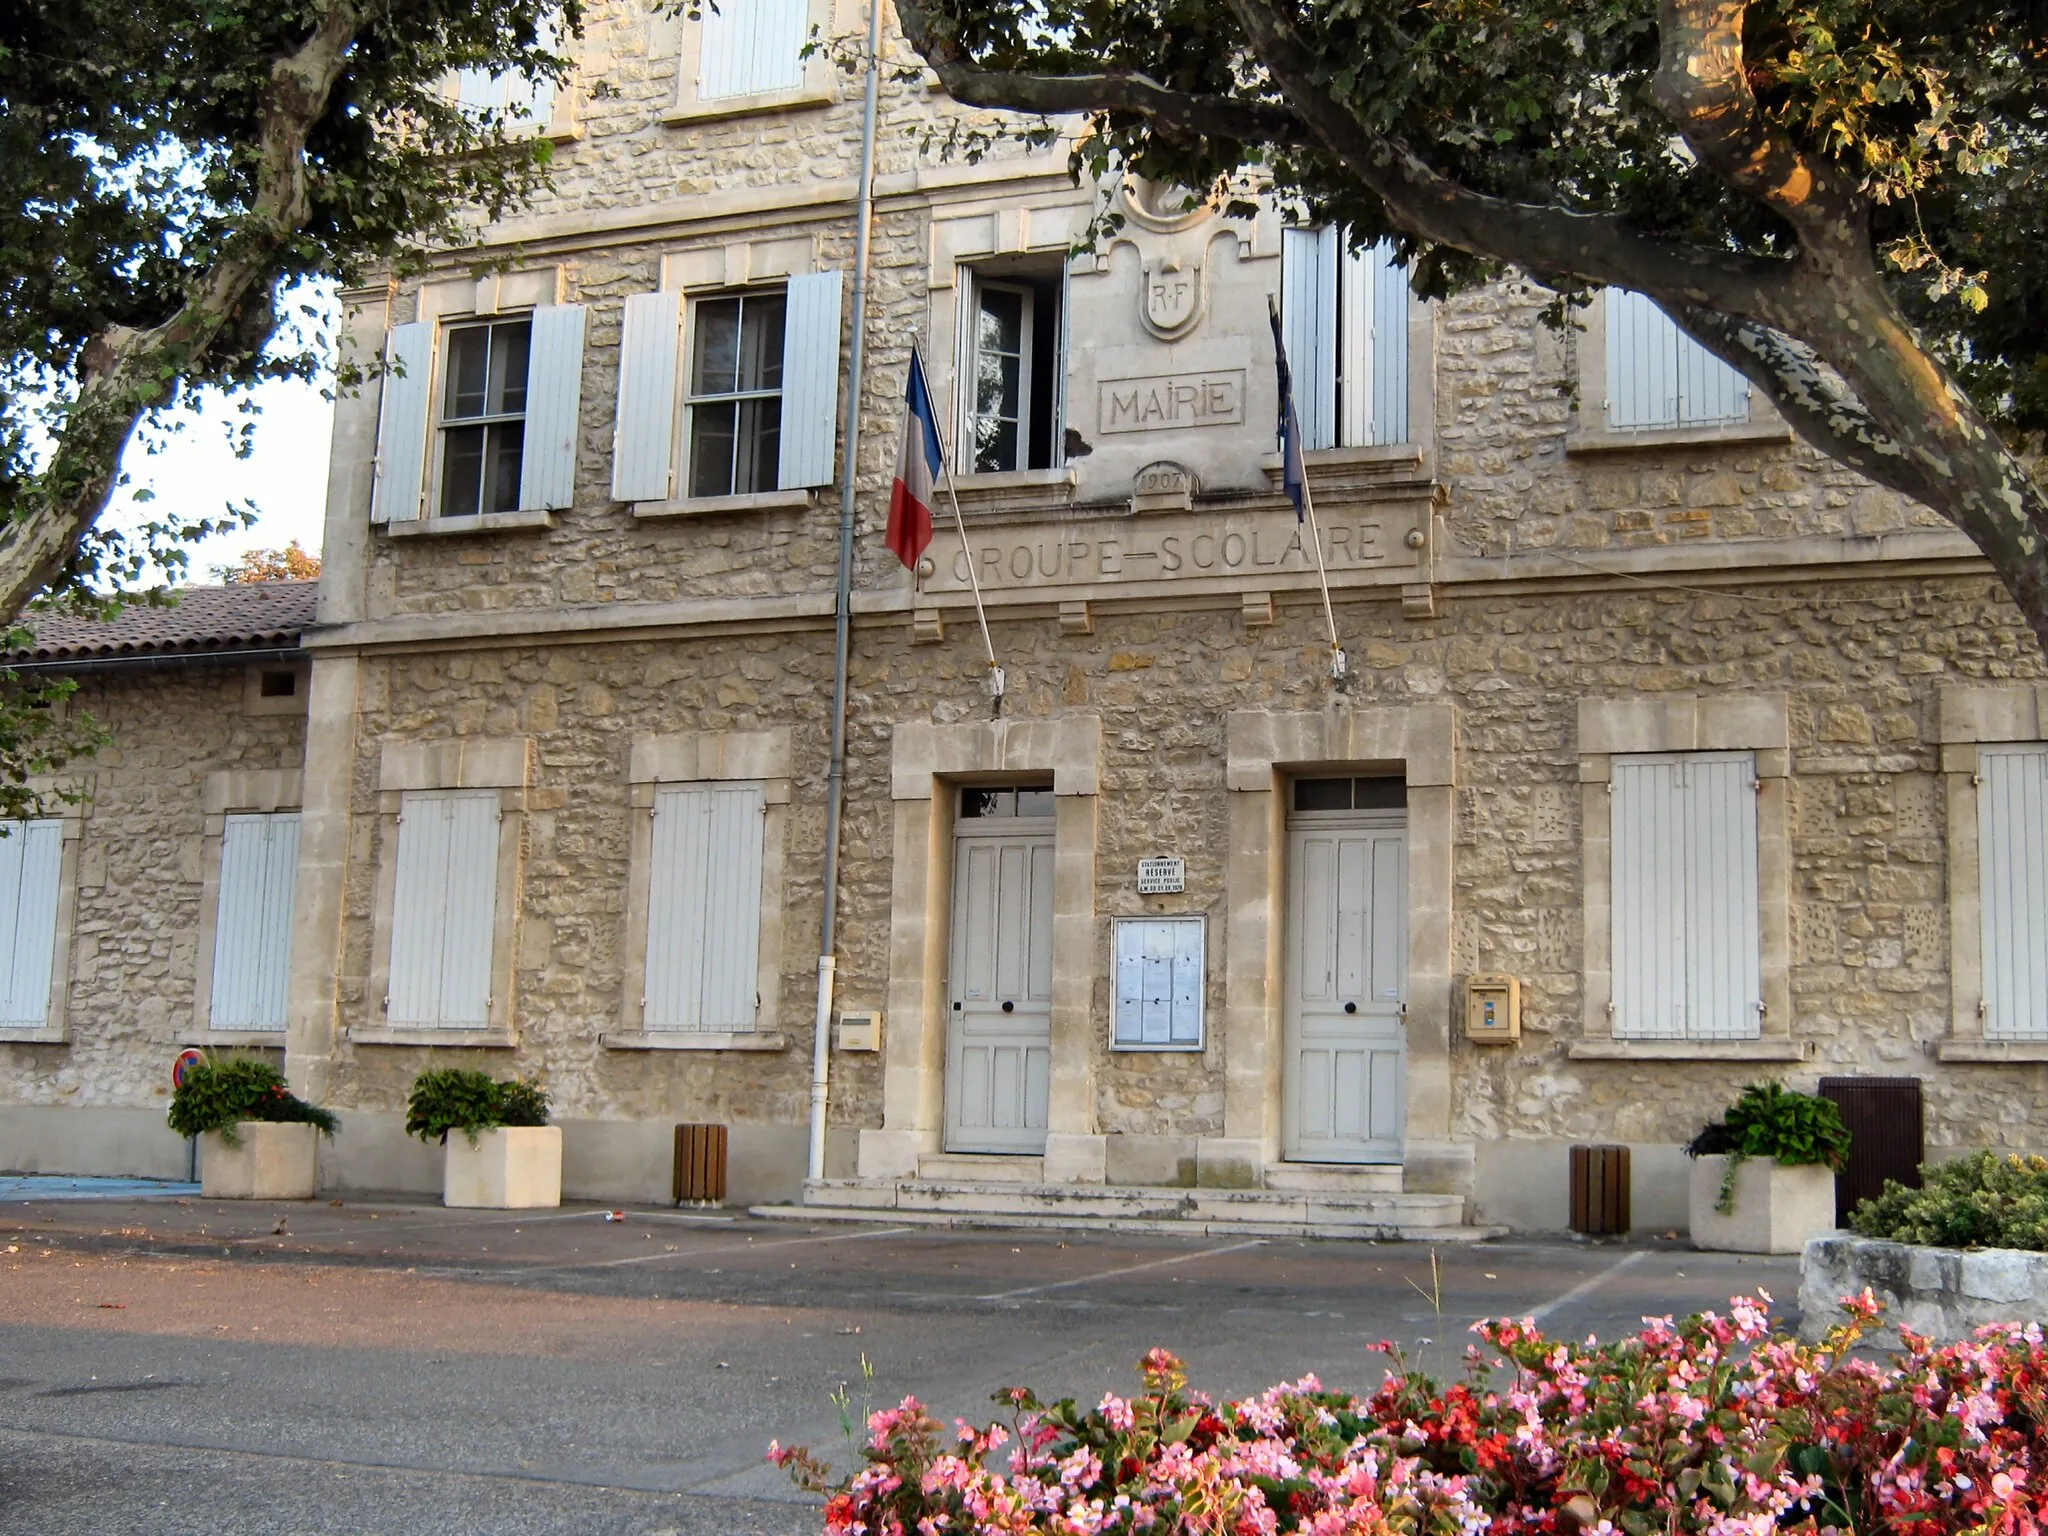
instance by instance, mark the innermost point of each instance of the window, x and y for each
(1013, 366)
(751, 47)
(444, 909)
(979, 803)
(1344, 320)
(2012, 843)
(31, 855)
(1370, 794)
(519, 100)
(483, 418)
(735, 401)
(1684, 889)
(1657, 376)
(505, 415)
(704, 909)
(252, 936)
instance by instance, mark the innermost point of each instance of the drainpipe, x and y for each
(835, 783)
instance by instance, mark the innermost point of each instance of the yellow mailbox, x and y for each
(1493, 1010)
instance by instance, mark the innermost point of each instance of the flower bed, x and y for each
(1713, 1425)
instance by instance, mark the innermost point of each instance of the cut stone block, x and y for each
(267, 1162)
(512, 1168)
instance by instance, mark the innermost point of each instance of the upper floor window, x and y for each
(1659, 377)
(1013, 347)
(751, 48)
(523, 103)
(1344, 320)
(2012, 843)
(735, 399)
(483, 418)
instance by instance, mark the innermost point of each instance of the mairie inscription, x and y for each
(1177, 400)
(1167, 548)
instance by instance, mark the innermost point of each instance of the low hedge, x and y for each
(1986, 1200)
(221, 1092)
(1712, 1426)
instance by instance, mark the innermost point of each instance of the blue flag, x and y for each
(1293, 475)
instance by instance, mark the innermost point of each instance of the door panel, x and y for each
(1347, 966)
(998, 1059)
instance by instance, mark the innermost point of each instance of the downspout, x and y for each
(835, 783)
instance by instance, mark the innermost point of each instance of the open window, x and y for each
(1012, 366)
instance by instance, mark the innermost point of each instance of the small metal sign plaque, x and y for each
(1162, 877)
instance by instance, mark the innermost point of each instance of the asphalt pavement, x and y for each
(180, 1365)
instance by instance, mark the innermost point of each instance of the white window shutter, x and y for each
(1390, 302)
(2012, 855)
(704, 908)
(554, 402)
(1709, 391)
(1308, 325)
(643, 440)
(402, 423)
(1657, 376)
(1723, 984)
(1648, 894)
(810, 379)
(31, 855)
(443, 912)
(752, 46)
(252, 936)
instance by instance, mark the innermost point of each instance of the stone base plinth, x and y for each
(1945, 1293)
(266, 1162)
(512, 1168)
(1777, 1209)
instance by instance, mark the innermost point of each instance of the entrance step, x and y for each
(991, 1168)
(1335, 1178)
(1333, 1213)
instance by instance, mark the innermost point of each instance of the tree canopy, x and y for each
(292, 563)
(1844, 199)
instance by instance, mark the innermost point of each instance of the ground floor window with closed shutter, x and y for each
(31, 856)
(704, 909)
(2012, 841)
(444, 910)
(1685, 917)
(252, 936)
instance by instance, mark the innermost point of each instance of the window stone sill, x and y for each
(489, 522)
(464, 1039)
(257, 1039)
(1690, 1050)
(1992, 1051)
(808, 95)
(1015, 490)
(1598, 440)
(680, 1040)
(34, 1037)
(701, 506)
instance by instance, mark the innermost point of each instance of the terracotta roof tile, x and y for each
(248, 616)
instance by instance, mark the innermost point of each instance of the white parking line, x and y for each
(1128, 1269)
(1587, 1286)
(705, 1253)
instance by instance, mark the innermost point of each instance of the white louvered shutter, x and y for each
(252, 933)
(2012, 855)
(810, 379)
(643, 440)
(443, 910)
(402, 423)
(751, 47)
(1657, 376)
(704, 908)
(1373, 347)
(1684, 890)
(1308, 327)
(1709, 391)
(31, 854)
(554, 402)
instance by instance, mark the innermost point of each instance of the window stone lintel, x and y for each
(688, 757)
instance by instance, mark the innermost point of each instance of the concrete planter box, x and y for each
(268, 1162)
(1777, 1209)
(512, 1168)
(1945, 1293)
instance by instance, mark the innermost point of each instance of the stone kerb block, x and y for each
(1946, 1293)
(266, 1162)
(511, 1168)
(1777, 1209)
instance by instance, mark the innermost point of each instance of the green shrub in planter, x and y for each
(222, 1091)
(1986, 1200)
(1798, 1130)
(452, 1099)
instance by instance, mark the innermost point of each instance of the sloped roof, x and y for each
(242, 616)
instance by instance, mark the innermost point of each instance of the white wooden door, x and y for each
(999, 1035)
(1347, 977)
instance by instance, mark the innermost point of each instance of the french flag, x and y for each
(917, 469)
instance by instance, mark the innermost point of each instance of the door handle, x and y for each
(1008, 1006)
(1351, 1007)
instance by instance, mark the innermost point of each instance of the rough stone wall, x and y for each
(135, 935)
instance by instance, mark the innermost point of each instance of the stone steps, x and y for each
(1341, 1213)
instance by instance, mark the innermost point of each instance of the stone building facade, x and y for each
(1729, 761)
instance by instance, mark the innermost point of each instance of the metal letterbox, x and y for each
(860, 1032)
(1493, 1010)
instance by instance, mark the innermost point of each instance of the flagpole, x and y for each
(1294, 476)
(1323, 575)
(995, 673)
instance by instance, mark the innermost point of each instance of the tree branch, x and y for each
(125, 372)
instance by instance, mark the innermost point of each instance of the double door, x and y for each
(999, 1011)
